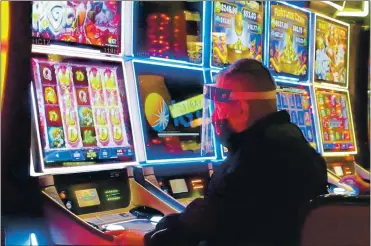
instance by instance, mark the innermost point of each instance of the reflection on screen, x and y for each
(331, 51)
(171, 30)
(289, 40)
(178, 186)
(335, 120)
(86, 22)
(296, 101)
(87, 198)
(82, 114)
(237, 31)
(172, 111)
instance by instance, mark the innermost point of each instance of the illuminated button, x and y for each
(69, 205)
(104, 154)
(62, 195)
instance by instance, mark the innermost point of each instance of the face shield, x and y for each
(215, 113)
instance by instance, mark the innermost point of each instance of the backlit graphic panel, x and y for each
(335, 120)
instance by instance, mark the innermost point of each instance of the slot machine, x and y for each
(287, 58)
(83, 144)
(168, 46)
(330, 74)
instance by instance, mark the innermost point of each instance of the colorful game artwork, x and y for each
(335, 120)
(331, 52)
(288, 41)
(81, 114)
(95, 23)
(297, 102)
(237, 31)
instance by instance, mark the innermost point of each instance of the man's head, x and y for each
(254, 97)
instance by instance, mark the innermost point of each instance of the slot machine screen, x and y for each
(335, 121)
(237, 31)
(331, 52)
(297, 102)
(82, 112)
(169, 30)
(288, 42)
(92, 23)
(171, 108)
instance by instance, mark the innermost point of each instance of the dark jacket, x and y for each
(254, 197)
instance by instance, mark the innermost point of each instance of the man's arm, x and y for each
(202, 217)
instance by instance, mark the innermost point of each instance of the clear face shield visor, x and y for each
(214, 110)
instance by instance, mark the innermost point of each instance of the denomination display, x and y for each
(237, 31)
(331, 52)
(288, 41)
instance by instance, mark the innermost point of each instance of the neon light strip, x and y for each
(336, 6)
(363, 13)
(177, 134)
(5, 23)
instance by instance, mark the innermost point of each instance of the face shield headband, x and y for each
(213, 94)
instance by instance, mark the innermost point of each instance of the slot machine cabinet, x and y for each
(82, 208)
(338, 138)
(183, 182)
(170, 106)
(84, 166)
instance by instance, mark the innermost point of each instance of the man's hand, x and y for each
(129, 238)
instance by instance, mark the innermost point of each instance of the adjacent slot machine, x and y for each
(237, 31)
(330, 74)
(166, 61)
(170, 31)
(170, 106)
(288, 38)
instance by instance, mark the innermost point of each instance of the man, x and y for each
(271, 171)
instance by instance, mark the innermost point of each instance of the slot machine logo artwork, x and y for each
(237, 31)
(80, 110)
(337, 129)
(288, 47)
(90, 22)
(331, 52)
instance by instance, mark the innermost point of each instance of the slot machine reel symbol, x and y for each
(72, 136)
(95, 79)
(103, 135)
(47, 74)
(115, 117)
(53, 116)
(110, 79)
(64, 77)
(117, 133)
(69, 118)
(50, 95)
